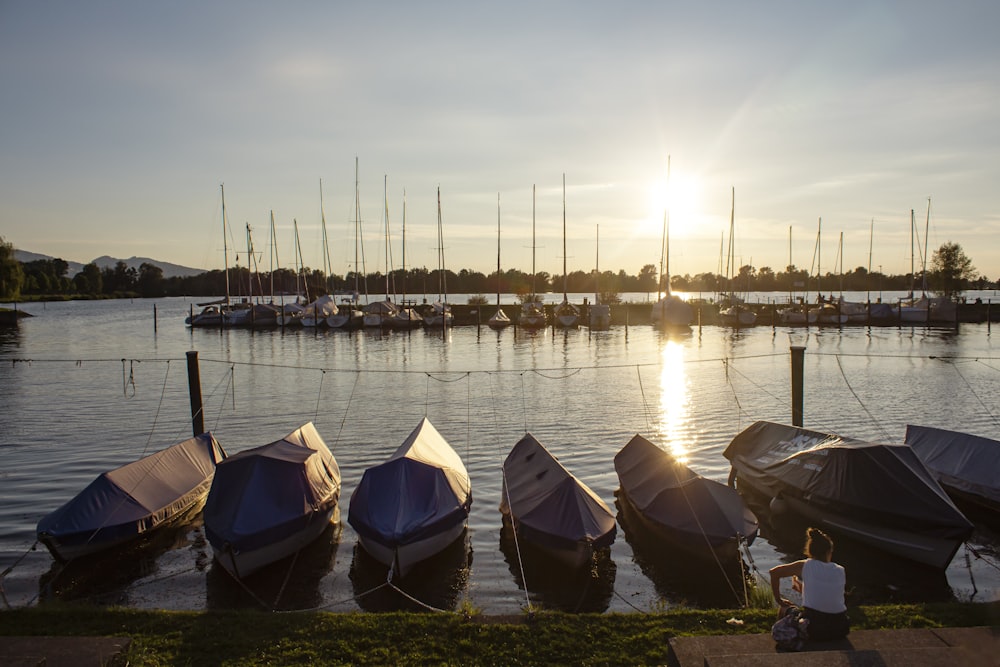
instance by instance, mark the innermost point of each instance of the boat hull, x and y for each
(241, 564)
(935, 552)
(403, 557)
(691, 544)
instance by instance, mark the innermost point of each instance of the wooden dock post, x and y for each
(798, 362)
(194, 389)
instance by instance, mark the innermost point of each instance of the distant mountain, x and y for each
(25, 256)
(106, 262)
(169, 270)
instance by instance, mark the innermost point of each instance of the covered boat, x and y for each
(878, 494)
(699, 515)
(129, 502)
(268, 502)
(967, 466)
(552, 509)
(414, 504)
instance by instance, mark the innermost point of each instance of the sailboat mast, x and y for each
(790, 279)
(385, 203)
(357, 234)
(441, 278)
(927, 231)
(664, 281)
(840, 259)
(730, 259)
(275, 262)
(498, 250)
(868, 276)
(327, 264)
(225, 246)
(913, 268)
(597, 267)
(565, 297)
(534, 294)
(403, 277)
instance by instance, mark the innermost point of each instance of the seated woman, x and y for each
(821, 583)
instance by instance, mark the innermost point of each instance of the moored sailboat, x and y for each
(567, 315)
(440, 315)
(669, 310)
(499, 320)
(532, 311)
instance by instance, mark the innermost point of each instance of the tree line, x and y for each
(950, 272)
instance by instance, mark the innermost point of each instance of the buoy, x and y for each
(778, 505)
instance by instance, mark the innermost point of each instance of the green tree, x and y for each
(89, 280)
(951, 269)
(648, 280)
(11, 273)
(150, 280)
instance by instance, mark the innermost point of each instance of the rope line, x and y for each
(972, 391)
(347, 411)
(843, 374)
(319, 394)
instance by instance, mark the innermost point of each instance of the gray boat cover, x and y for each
(685, 504)
(877, 483)
(969, 464)
(137, 497)
(421, 490)
(263, 495)
(550, 505)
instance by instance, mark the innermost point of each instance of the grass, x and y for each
(315, 638)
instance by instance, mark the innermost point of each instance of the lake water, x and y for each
(87, 386)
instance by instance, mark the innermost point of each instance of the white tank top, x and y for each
(823, 586)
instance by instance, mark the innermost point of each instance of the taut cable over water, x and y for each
(751, 395)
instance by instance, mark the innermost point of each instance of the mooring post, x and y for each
(194, 389)
(154, 318)
(798, 362)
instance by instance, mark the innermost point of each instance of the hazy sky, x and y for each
(120, 121)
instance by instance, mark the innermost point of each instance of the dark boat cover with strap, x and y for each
(422, 489)
(964, 462)
(671, 495)
(549, 504)
(263, 494)
(879, 483)
(139, 496)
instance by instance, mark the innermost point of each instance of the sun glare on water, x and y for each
(674, 412)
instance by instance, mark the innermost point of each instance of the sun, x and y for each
(679, 199)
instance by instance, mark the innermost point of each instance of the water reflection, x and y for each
(288, 584)
(433, 584)
(674, 413)
(551, 585)
(873, 576)
(679, 578)
(106, 577)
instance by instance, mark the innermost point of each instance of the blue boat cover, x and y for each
(421, 490)
(549, 504)
(683, 503)
(966, 463)
(880, 483)
(262, 495)
(137, 497)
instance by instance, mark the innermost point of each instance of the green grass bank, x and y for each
(317, 638)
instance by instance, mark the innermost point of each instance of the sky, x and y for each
(793, 124)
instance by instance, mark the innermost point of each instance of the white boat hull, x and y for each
(245, 563)
(403, 558)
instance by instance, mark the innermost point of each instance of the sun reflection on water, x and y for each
(673, 417)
